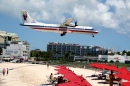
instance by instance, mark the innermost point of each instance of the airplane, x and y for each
(66, 27)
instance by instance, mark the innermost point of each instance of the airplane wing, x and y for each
(67, 22)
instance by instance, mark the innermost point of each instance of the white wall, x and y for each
(19, 48)
(103, 57)
(120, 58)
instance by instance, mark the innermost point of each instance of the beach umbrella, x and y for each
(78, 79)
(101, 66)
(95, 65)
(125, 84)
(123, 76)
(111, 67)
(92, 64)
(68, 84)
(82, 81)
(71, 77)
(64, 71)
(123, 70)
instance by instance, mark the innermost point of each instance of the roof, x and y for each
(12, 34)
(9, 34)
(3, 34)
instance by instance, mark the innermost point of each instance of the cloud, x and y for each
(110, 14)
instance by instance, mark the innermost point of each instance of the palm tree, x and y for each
(67, 55)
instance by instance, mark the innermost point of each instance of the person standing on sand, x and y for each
(111, 78)
(47, 65)
(3, 71)
(7, 71)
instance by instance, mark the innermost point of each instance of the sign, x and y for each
(12, 52)
(116, 58)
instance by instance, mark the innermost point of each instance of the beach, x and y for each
(23, 74)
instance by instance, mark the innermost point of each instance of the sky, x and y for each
(110, 17)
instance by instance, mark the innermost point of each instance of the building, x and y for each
(6, 37)
(59, 49)
(18, 49)
(120, 58)
(108, 58)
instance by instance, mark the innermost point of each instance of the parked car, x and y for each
(15, 61)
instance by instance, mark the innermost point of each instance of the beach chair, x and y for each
(49, 80)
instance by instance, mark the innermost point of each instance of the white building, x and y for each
(108, 58)
(115, 58)
(18, 49)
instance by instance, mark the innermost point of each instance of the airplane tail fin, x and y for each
(26, 17)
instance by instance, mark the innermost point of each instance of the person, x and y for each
(84, 67)
(104, 72)
(60, 80)
(52, 79)
(7, 71)
(112, 78)
(4, 71)
(99, 76)
(51, 76)
(47, 65)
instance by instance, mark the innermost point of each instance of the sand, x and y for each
(23, 74)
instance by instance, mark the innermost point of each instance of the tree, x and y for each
(117, 61)
(128, 53)
(1, 50)
(40, 55)
(105, 61)
(118, 53)
(49, 55)
(123, 52)
(111, 61)
(43, 54)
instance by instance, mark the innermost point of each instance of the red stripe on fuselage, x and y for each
(84, 31)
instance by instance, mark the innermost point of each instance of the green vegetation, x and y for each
(47, 56)
(111, 61)
(121, 53)
(67, 60)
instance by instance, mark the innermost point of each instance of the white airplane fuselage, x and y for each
(57, 29)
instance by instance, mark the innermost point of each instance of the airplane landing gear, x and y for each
(62, 34)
